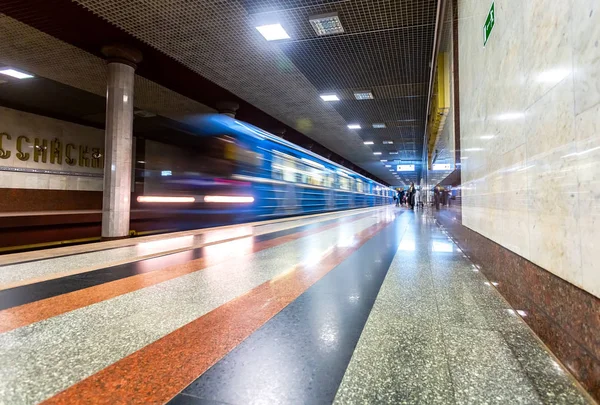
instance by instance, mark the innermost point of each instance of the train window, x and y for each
(283, 168)
(344, 182)
(359, 186)
(277, 168)
(315, 176)
(329, 179)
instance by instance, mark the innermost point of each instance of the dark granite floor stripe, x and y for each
(157, 372)
(46, 289)
(300, 355)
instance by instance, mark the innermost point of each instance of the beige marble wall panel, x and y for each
(530, 131)
(586, 53)
(587, 163)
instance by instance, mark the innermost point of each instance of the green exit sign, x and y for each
(489, 24)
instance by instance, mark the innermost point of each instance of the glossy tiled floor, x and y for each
(370, 306)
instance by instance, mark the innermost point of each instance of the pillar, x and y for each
(228, 108)
(121, 64)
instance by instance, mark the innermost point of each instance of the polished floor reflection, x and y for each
(367, 306)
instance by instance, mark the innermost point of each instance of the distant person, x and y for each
(411, 196)
(398, 197)
(437, 197)
(418, 197)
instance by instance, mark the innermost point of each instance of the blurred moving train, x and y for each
(233, 168)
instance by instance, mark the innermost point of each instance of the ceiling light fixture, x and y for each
(388, 142)
(383, 160)
(354, 126)
(15, 73)
(326, 24)
(393, 153)
(377, 153)
(379, 125)
(273, 32)
(330, 97)
(369, 142)
(363, 95)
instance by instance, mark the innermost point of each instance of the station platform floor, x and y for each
(370, 306)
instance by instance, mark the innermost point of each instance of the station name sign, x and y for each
(441, 166)
(405, 168)
(52, 152)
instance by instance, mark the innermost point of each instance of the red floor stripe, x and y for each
(23, 315)
(159, 371)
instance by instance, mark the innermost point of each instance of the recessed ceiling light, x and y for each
(273, 32)
(393, 153)
(369, 142)
(326, 24)
(388, 142)
(383, 160)
(330, 97)
(377, 153)
(354, 126)
(388, 165)
(379, 125)
(363, 95)
(15, 73)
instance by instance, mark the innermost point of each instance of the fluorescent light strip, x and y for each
(329, 97)
(369, 142)
(228, 199)
(363, 95)
(354, 126)
(15, 73)
(273, 32)
(164, 199)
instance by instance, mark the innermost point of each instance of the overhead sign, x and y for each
(405, 168)
(441, 166)
(489, 24)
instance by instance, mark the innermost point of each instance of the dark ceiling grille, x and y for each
(385, 48)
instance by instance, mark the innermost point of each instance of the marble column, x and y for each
(228, 108)
(116, 203)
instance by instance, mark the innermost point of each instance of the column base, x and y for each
(108, 238)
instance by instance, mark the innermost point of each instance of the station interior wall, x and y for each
(530, 132)
(56, 183)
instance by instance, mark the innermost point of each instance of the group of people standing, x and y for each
(441, 196)
(410, 197)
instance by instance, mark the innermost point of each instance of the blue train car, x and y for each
(231, 167)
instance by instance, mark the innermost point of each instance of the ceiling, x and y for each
(386, 48)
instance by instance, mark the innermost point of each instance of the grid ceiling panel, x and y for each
(260, 6)
(51, 58)
(370, 59)
(356, 16)
(386, 45)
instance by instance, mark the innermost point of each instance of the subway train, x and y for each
(231, 168)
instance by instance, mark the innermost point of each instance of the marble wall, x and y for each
(530, 131)
(59, 174)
